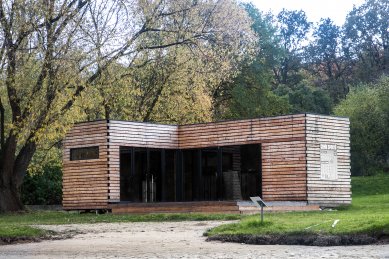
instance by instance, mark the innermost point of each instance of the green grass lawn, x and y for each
(18, 224)
(369, 213)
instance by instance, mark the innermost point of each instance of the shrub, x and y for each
(43, 182)
(367, 106)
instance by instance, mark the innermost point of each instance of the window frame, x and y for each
(87, 156)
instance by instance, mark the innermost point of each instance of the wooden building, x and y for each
(301, 157)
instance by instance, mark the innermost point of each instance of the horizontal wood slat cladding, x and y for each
(85, 182)
(135, 134)
(328, 130)
(290, 155)
(284, 176)
(242, 132)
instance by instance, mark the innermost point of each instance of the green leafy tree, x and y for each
(325, 60)
(250, 94)
(292, 32)
(303, 98)
(252, 102)
(366, 39)
(367, 106)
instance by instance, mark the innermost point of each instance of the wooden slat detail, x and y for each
(85, 182)
(262, 130)
(284, 171)
(135, 134)
(328, 130)
(290, 155)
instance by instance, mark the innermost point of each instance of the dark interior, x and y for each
(251, 173)
(209, 174)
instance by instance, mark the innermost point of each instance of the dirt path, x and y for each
(167, 240)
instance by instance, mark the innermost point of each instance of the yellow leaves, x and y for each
(150, 81)
(180, 105)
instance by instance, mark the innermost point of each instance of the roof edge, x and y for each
(219, 121)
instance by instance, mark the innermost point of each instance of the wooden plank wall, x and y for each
(283, 150)
(240, 132)
(135, 134)
(284, 173)
(290, 147)
(85, 182)
(328, 130)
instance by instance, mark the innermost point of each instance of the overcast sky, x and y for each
(314, 9)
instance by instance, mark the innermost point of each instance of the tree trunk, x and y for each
(9, 189)
(12, 170)
(10, 199)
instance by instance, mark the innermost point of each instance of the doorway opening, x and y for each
(146, 175)
(206, 174)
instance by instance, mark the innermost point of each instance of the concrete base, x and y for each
(248, 207)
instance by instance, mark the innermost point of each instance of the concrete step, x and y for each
(256, 210)
(222, 207)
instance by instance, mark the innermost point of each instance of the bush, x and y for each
(43, 182)
(367, 106)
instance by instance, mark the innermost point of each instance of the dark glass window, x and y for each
(84, 153)
(227, 161)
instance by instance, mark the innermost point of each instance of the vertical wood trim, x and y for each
(306, 157)
(108, 165)
(114, 166)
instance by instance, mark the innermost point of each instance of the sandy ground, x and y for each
(167, 240)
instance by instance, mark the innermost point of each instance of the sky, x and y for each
(314, 9)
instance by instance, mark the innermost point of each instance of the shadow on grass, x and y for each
(307, 239)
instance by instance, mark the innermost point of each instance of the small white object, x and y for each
(328, 162)
(335, 222)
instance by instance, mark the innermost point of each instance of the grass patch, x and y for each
(368, 214)
(19, 224)
(62, 217)
(9, 231)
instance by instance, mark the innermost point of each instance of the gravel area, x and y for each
(167, 240)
